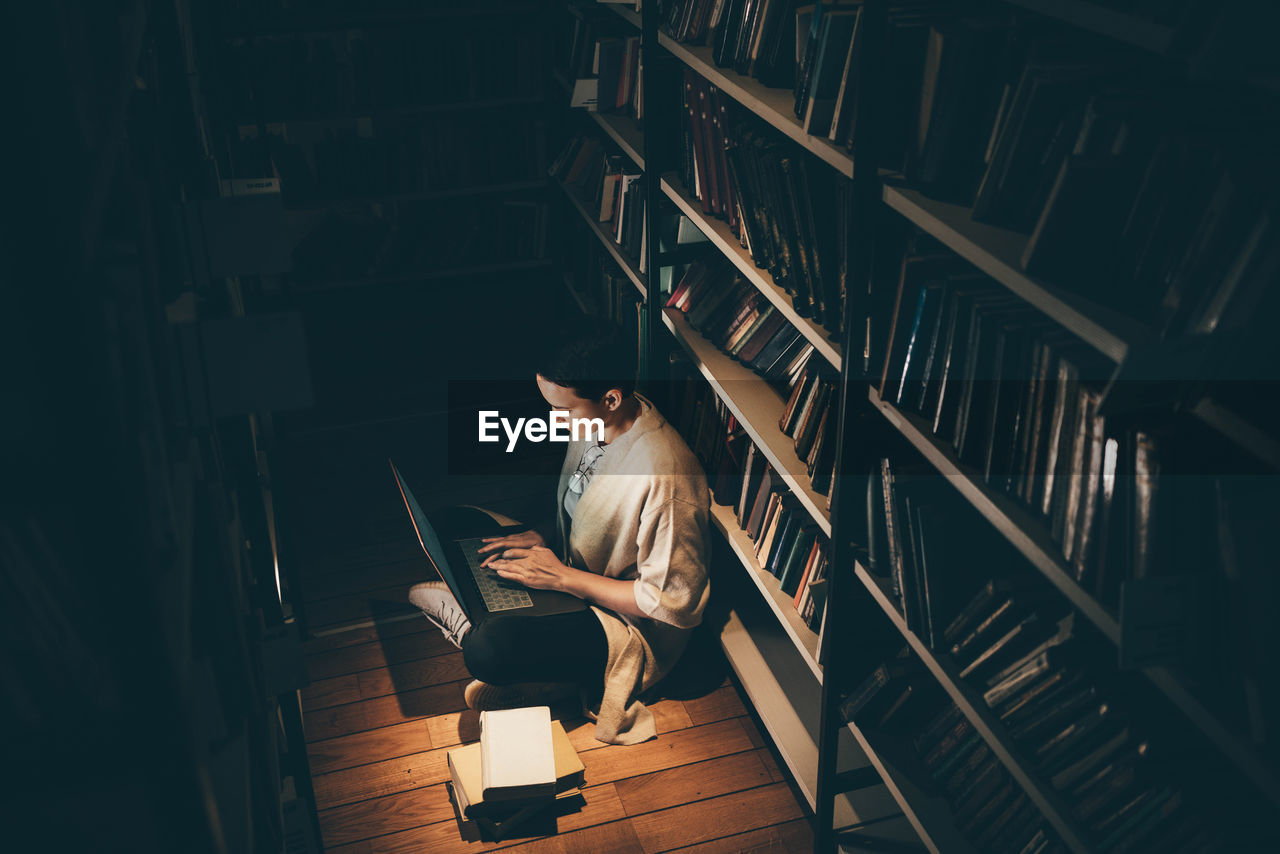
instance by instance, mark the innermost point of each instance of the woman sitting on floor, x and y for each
(630, 538)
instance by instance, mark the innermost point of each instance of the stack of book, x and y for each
(791, 219)
(610, 188)
(788, 544)
(373, 158)
(523, 764)
(737, 318)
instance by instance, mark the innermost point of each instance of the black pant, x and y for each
(509, 648)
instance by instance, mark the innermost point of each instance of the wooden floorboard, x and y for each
(384, 707)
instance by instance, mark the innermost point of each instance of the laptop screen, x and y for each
(427, 537)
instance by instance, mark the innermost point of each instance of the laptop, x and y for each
(480, 590)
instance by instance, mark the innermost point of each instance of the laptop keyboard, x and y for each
(498, 593)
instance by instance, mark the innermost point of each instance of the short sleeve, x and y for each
(672, 586)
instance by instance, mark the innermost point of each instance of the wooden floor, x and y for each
(385, 700)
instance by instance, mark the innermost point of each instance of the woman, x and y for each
(630, 538)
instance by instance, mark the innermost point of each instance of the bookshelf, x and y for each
(772, 105)
(804, 638)
(997, 252)
(928, 813)
(882, 201)
(614, 249)
(757, 407)
(719, 234)
(986, 725)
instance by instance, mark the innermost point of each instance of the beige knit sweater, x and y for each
(643, 517)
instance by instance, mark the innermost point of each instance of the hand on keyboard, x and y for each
(522, 540)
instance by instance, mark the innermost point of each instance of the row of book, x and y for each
(365, 158)
(1115, 784)
(601, 288)
(810, 420)
(319, 74)
(610, 186)
(788, 543)
(1020, 401)
(809, 48)
(603, 63)
(790, 215)
(731, 313)
(988, 807)
(753, 37)
(1052, 141)
(423, 238)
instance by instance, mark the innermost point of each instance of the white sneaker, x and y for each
(440, 607)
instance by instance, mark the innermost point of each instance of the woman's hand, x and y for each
(524, 540)
(536, 567)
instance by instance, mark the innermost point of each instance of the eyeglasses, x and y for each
(579, 480)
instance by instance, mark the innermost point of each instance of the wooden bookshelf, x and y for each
(998, 253)
(1015, 523)
(423, 196)
(1113, 24)
(624, 131)
(758, 409)
(612, 246)
(804, 639)
(722, 238)
(928, 812)
(775, 106)
(787, 700)
(986, 724)
(1028, 535)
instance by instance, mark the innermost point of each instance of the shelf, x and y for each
(775, 106)
(929, 814)
(1239, 430)
(1027, 534)
(1129, 29)
(787, 700)
(1014, 522)
(986, 724)
(300, 287)
(423, 196)
(998, 253)
(357, 113)
(756, 406)
(623, 130)
(614, 248)
(718, 233)
(782, 605)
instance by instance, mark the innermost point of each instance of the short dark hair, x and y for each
(590, 356)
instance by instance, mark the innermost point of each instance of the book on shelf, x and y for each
(782, 206)
(786, 541)
(609, 189)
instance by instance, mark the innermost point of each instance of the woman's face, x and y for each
(566, 399)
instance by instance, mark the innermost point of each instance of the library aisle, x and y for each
(385, 700)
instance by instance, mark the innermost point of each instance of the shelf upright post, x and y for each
(837, 634)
